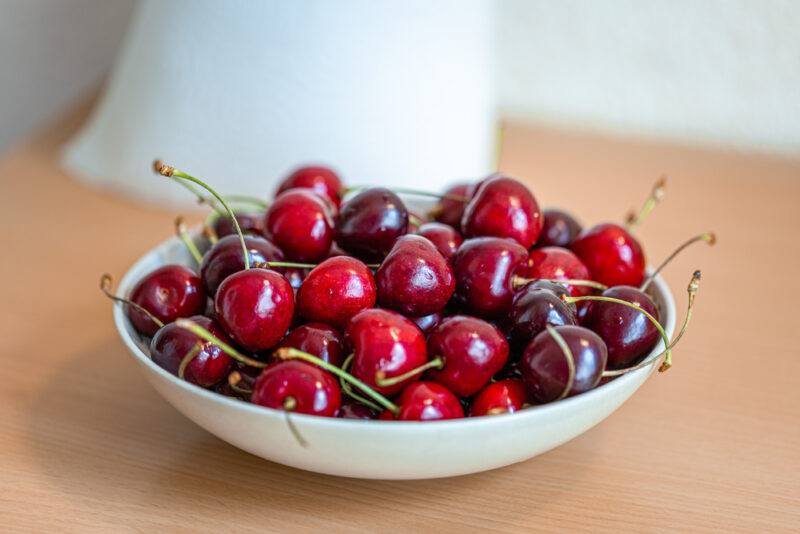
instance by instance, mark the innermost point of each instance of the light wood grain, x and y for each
(711, 446)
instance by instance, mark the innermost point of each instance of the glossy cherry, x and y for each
(426, 323)
(559, 229)
(385, 344)
(503, 396)
(169, 292)
(503, 207)
(226, 258)
(535, 306)
(321, 180)
(449, 210)
(445, 238)
(484, 268)
(208, 367)
(414, 278)
(369, 223)
(614, 257)
(544, 366)
(353, 410)
(428, 401)
(251, 222)
(628, 334)
(472, 351)
(557, 263)
(255, 307)
(300, 224)
(336, 290)
(319, 339)
(299, 387)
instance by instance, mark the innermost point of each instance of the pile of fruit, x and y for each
(341, 302)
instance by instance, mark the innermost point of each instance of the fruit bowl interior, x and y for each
(382, 449)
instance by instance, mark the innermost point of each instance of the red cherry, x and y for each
(503, 207)
(414, 279)
(255, 307)
(210, 366)
(559, 229)
(426, 323)
(556, 263)
(250, 222)
(428, 401)
(318, 339)
(445, 238)
(449, 211)
(385, 343)
(613, 256)
(369, 223)
(483, 269)
(535, 306)
(298, 221)
(321, 180)
(312, 391)
(353, 410)
(169, 292)
(226, 258)
(503, 396)
(336, 290)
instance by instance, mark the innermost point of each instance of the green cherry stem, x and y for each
(349, 390)
(105, 286)
(202, 333)
(708, 237)
(656, 195)
(285, 265)
(233, 381)
(382, 381)
(519, 281)
(290, 405)
(183, 234)
(210, 233)
(287, 353)
(559, 339)
(186, 360)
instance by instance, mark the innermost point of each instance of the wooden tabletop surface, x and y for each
(713, 445)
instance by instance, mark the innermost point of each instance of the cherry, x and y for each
(255, 307)
(472, 351)
(428, 401)
(210, 365)
(414, 279)
(251, 222)
(503, 207)
(557, 263)
(545, 368)
(559, 229)
(385, 344)
(613, 256)
(445, 238)
(322, 180)
(297, 386)
(299, 222)
(336, 290)
(169, 292)
(628, 334)
(353, 410)
(449, 210)
(426, 323)
(534, 307)
(483, 269)
(226, 258)
(503, 396)
(319, 339)
(369, 223)
(295, 277)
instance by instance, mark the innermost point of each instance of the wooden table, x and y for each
(713, 445)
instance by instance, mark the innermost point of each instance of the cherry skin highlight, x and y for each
(369, 223)
(313, 390)
(225, 258)
(557, 263)
(614, 257)
(428, 401)
(503, 396)
(426, 323)
(318, 339)
(445, 238)
(533, 308)
(559, 230)
(170, 292)
(299, 223)
(322, 180)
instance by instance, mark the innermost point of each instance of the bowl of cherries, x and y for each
(386, 333)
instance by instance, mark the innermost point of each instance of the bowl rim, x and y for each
(122, 324)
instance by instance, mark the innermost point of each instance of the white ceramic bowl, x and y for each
(380, 449)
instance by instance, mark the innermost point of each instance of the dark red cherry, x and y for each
(369, 223)
(296, 276)
(321, 180)
(559, 230)
(473, 351)
(318, 339)
(299, 387)
(532, 309)
(169, 292)
(210, 366)
(449, 210)
(255, 307)
(426, 323)
(336, 290)
(428, 401)
(414, 278)
(445, 238)
(225, 258)
(628, 334)
(613, 256)
(503, 207)
(353, 410)
(299, 222)
(545, 370)
(484, 268)
(557, 263)
(250, 222)
(385, 343)
(503, 396)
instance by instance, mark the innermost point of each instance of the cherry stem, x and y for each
(172, 172)
(559, 339)
(694, 285)
(288, 353)
(519, 281)
(233, 381)
(656, 195)
(247, 200)
(382, 381)
(416, 221)
(210, 233)
(708, 237)
(349, 391)
(405, 191)
(290, 405)
(183, 234)
(105, 287)
(285, 264)
(199, 331)
(186, 360)
(656, 324)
